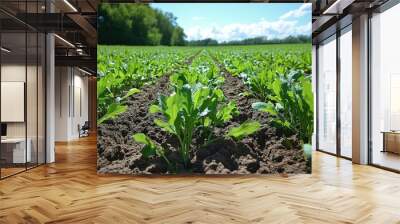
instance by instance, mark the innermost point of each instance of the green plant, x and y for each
(116, 106)
(190, 107)
(122, 70)
(196, 104)
(243, 130)
(112, 112)
(150, 148)
(291, 105)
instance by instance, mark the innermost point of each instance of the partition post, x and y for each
(360, 90)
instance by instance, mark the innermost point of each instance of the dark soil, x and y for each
(266, 152)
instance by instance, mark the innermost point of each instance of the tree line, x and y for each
(137, 24)
(252, 41)
(140, 24)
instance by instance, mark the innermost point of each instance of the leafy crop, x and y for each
(195, 106)
(150, 148)
(243, 130)
(281, 80)
(195, 103)
(291, 104)
(122, 71)
(189, 107)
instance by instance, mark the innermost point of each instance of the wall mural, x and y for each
(204, 88)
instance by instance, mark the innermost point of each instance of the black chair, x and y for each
(84, 130)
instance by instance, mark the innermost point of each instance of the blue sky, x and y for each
(228, 21)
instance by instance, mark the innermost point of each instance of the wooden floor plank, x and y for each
(70, 191)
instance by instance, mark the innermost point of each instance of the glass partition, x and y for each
(346, 92)
(13, 104)
(385, 89)
(22, 77)
(32, 96)
(327, 95)
(41, 110)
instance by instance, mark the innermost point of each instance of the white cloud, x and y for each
(285, 26)
(301, 11)
(238, 31)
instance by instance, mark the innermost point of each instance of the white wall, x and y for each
(70, 83)
(62, 81)
(80, 88)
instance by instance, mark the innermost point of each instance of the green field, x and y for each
(277, 80)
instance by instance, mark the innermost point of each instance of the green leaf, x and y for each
(142, 138)
(154, 109)
(172, 107)
(281, 123)
(227, 112)
(164, 125)
(101, 86)
(277, 86)
(150, 149)
(245, 129)
(207, 122)
(200, 96)
(113, 111)
(307, 92)
(220, 94)
(245, 93)
(265, 107)
(131, 92)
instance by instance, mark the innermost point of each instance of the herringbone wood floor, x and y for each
(70, 191)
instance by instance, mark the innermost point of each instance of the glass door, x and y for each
(346, 92)
(327, 95)
(14, 155)
(385, 89)
(22, 90)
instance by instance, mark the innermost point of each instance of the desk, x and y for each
(391, 141)
(14, 150)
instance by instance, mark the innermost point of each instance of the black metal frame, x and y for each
(369, 90)
(316, 97)
(44, 80)
(317, 100)
(389, 4)
(338, 76)
(338, 152)
(380, 9)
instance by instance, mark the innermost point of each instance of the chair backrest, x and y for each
(86, 125)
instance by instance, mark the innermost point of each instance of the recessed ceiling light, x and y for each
(84, 71)
(65, 41)
(5, 50)
(70, 5)
(338, 6)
